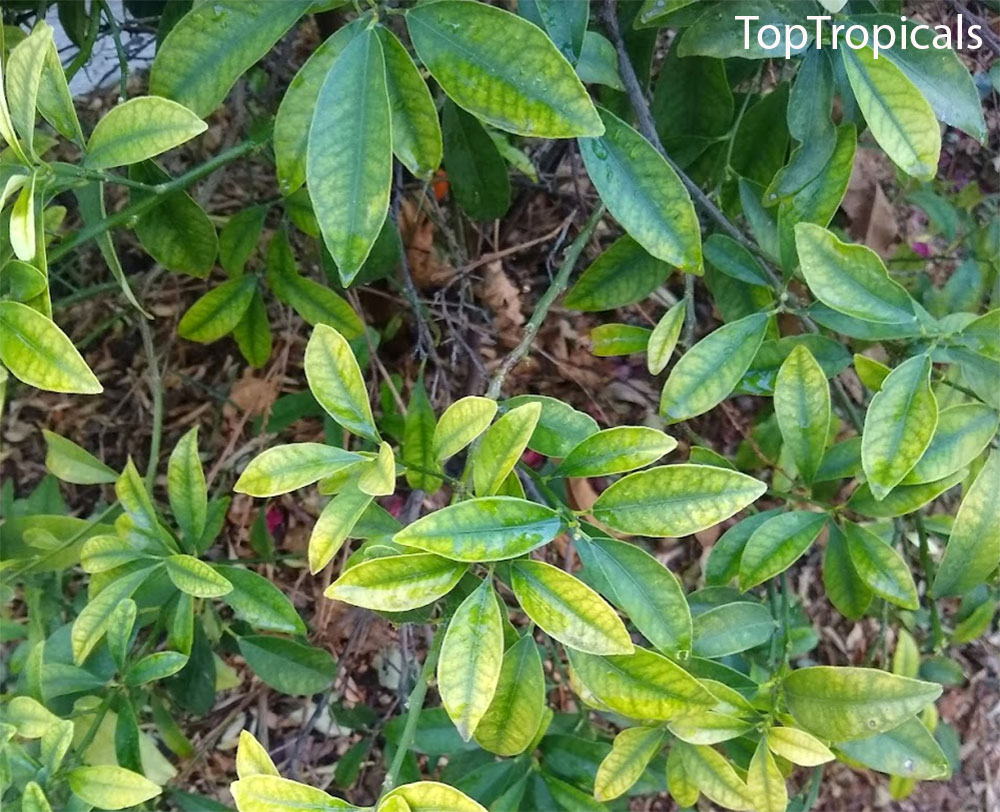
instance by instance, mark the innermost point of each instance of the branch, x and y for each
(647, 128)
(129, 213)
(557, 286)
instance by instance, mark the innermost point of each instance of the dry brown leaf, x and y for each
(428, 266)
(504, 299)
(251, 394)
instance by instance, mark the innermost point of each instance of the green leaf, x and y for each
(708, 372)
(271, 793)
(196, 578)
(909, 751)
(218, 311)
(92, 622)
(252, 758)
(139, 129)
(624, 274)
(732, 628)
(71, 463)
(501, 446)
(802, 406)
(186, 487)
(973, 549)
(565, 24)
(177, 233)
(253, 332)
(598, 62)
(103, 553)
(512, 718)
(765, 783)
(55, 102)
(239, 237)
(880, 567)
(902, 499)
(842, 704)
(850, 278)
(714, 777)
(461, 423)
(119, 631)
(723, 563)
(675, 500)
(732, 259)
(643, 588)
(716, 33)
(212, 45)
(33, 799)
(349, 155)
(397, 583)
(899, 117)
(870, 371)
(291, 124)
(259, 602)
(567, 609)
(777, 544)
(841, 581)
(502, 69)
(476, 170)
(798, 746)
(111, 787)
(418, 440)
(681, 788)
(630, 754)
(961, 434)
(335, 380)
(560, 427)
(614, 451)
(430, 796)
(619, 339)
(288, 666)
(840, 461)
(471, 658)
(490, 528)
(899, 425)
(416, 134)
(664, 337)
(156, 666)
(641, 685)
(643, 193)
(38, 353)
(335, 524)
(709, 727)
(288, 467)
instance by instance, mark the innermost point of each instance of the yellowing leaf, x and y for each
(512, 718)
(397, 583)
(973, 549)
(899, 425)
(288, 467)
(777, 544)
(502, 69)
(71, 463)
(111, 787)
(616, 450)
(92, 622)
(461, 423)
(138, 129)
(334, 525)
(630, 754)
(899, 117)
(641, 685)
(471, 658)
(909, 751)
(765, 782)
(708, 727)
(430, 796)
(492, 528)
(675, 500)
(252, 758)
(961, 434)
(196, 578)
(271, 793)
(501, 447)
(802, 406)
(378, 477)
(335, 380)
(880, 567)
(841, 704)
(567, 609)
(664, 337)
(798, 746)
(38, 353)
(218, 311)
(643, 193)
(707, 373)
(715, 777)
(186, 487)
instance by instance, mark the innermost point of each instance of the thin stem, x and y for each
(557, 286)
(116, 35)
(415, 704)
(129, 213)
(937, 638)
(73, 171)
(156, 391)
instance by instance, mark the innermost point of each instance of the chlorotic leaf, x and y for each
(502, 69)
(664, 337)
(624, 274)
(567, 609)
(271, 793)
(461, 423)
(777, 544)
(286, 468)
(252, 758)
(765, 783)
(501, 446)
(218, 311)
(430, 796)
(72, 463)
(186, 488)
(630, 754)
(616, 450)
(335, 524)
(961, 434)
(802, 406)
(512, 718)
(335, 380)
(138, 129)
(111, 787)
(397, 583)
(196, 578)
(471, 659)
(715, 777)
(675, 500)
(798, 746)
(880, 567)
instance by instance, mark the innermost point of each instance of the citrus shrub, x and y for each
(712, 681)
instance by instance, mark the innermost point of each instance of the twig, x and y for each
(156, 392)
(415, 704)
(557, 286)
(928, 566)
(486, 259)
(116, 36)
(989, 37)
(129, 213)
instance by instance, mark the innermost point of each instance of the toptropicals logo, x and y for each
(916, 35)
